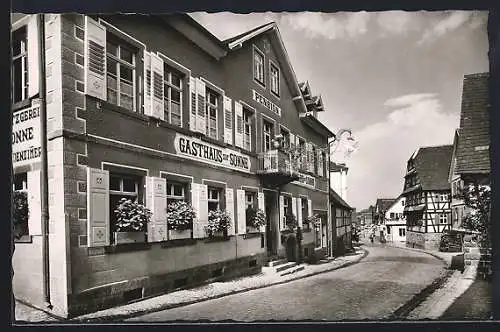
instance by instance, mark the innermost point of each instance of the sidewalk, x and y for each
(461, 297)
(267, 277)
(28, 314)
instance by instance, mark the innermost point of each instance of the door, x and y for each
(271, 223)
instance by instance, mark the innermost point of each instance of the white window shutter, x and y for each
(238, 124)
(240, 210)
(95, 59)
(199, 231)
(201, 117)
(192, 104)
(157, 86)
(156, 201)
(294, 208)
(98, 227)
(309, 208)
(292, 141)
(303, 156)
(195, 203)
(34, 203)
(230, 209)
(228, 120)
(320, 164)
(147, 83)
(282, 212)
(260, 203)
(33, 66)
(299, 211)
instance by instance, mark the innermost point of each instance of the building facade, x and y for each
(395, 222)
(338, 179)
(154, 108)
(381, 207)
(427, 196)
(342, 221)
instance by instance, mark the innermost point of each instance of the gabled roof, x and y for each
(453, 162)
(432, 164)
(396, 201)
(473, 153)
(248, 33)
(334, 167)
(383, 204)
(336, 199)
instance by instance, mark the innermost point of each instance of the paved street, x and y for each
(371, 289)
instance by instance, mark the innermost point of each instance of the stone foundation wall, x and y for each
(478, 258)
(427, 241)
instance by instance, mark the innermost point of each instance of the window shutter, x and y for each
(202, 212)
(282, 212)
(34, 203)
(157, 86)
(228, 120)
(292, 141)
(192, 103)
(156, 201)
(294, 207)
(303, 156)
(147, 83)
(201, 118)
(260, 203)
(230, 209)
(320, 164)
(238, 123)
(299, 211)
(309, 208)
(95, 59)
(98, 207)
(33, 66)
(195, 203)
(240, 205)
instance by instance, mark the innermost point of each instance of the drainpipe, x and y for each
(44, 169)
(329, 223)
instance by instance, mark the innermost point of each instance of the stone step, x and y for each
(297, 269)
(286, 266)
(277, 262)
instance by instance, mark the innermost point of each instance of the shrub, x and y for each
(291, 221)
(255, 217)
(180, 216)
(131, 216)
(218, 221)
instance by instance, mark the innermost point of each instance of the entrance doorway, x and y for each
(270, 203)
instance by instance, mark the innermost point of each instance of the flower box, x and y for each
(129, 237)
(179, 234)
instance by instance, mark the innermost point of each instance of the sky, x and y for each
(394, 78)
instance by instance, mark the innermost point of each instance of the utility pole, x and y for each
(44, 177)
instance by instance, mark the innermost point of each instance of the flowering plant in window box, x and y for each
(131, 221)
(20, 213)
(255, 219)
(180, 216)
(219, 222)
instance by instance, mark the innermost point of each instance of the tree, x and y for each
(477, 198)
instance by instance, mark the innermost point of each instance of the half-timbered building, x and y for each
(427, 196)
(156, 109)
(341, 213)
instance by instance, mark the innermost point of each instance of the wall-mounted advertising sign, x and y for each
(26, 136)
(196, 149)
(266, 102)
(306, 181)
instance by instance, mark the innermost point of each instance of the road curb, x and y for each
(422, 251)
(182, 304)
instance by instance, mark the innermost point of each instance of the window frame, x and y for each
(168, 86)
(172, 196)
(267, 134)
(257, 51)
(208, 107)
(211, 189)
(121, 42)
(443, 219)
(273, 65)
(23, 55)
(286, 134)
(247, 115)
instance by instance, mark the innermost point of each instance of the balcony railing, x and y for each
(278, 163)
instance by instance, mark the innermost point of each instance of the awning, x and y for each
(415, 208)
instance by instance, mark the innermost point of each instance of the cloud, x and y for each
(450, 21)
(395, 22)
(329, 26)
(377, 168)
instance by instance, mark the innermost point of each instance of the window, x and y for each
(120, 73)
(305, 210)
(268, 135)
(121, 186)
(212, 106)
(444, 197)
(285, 142)
(175, 192)
(401, 232)
(302, 149)
(214, 198)
(21, 185)
(275, 79)
(19, 65)
(392, 215)
(172, 82)
(313, 158)
(388, 229)
(403, 202)
(247, 130)
(258, 66)
(317, 235)
(287, 205)
(323, 163)
(443, 218)
(249, 199)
